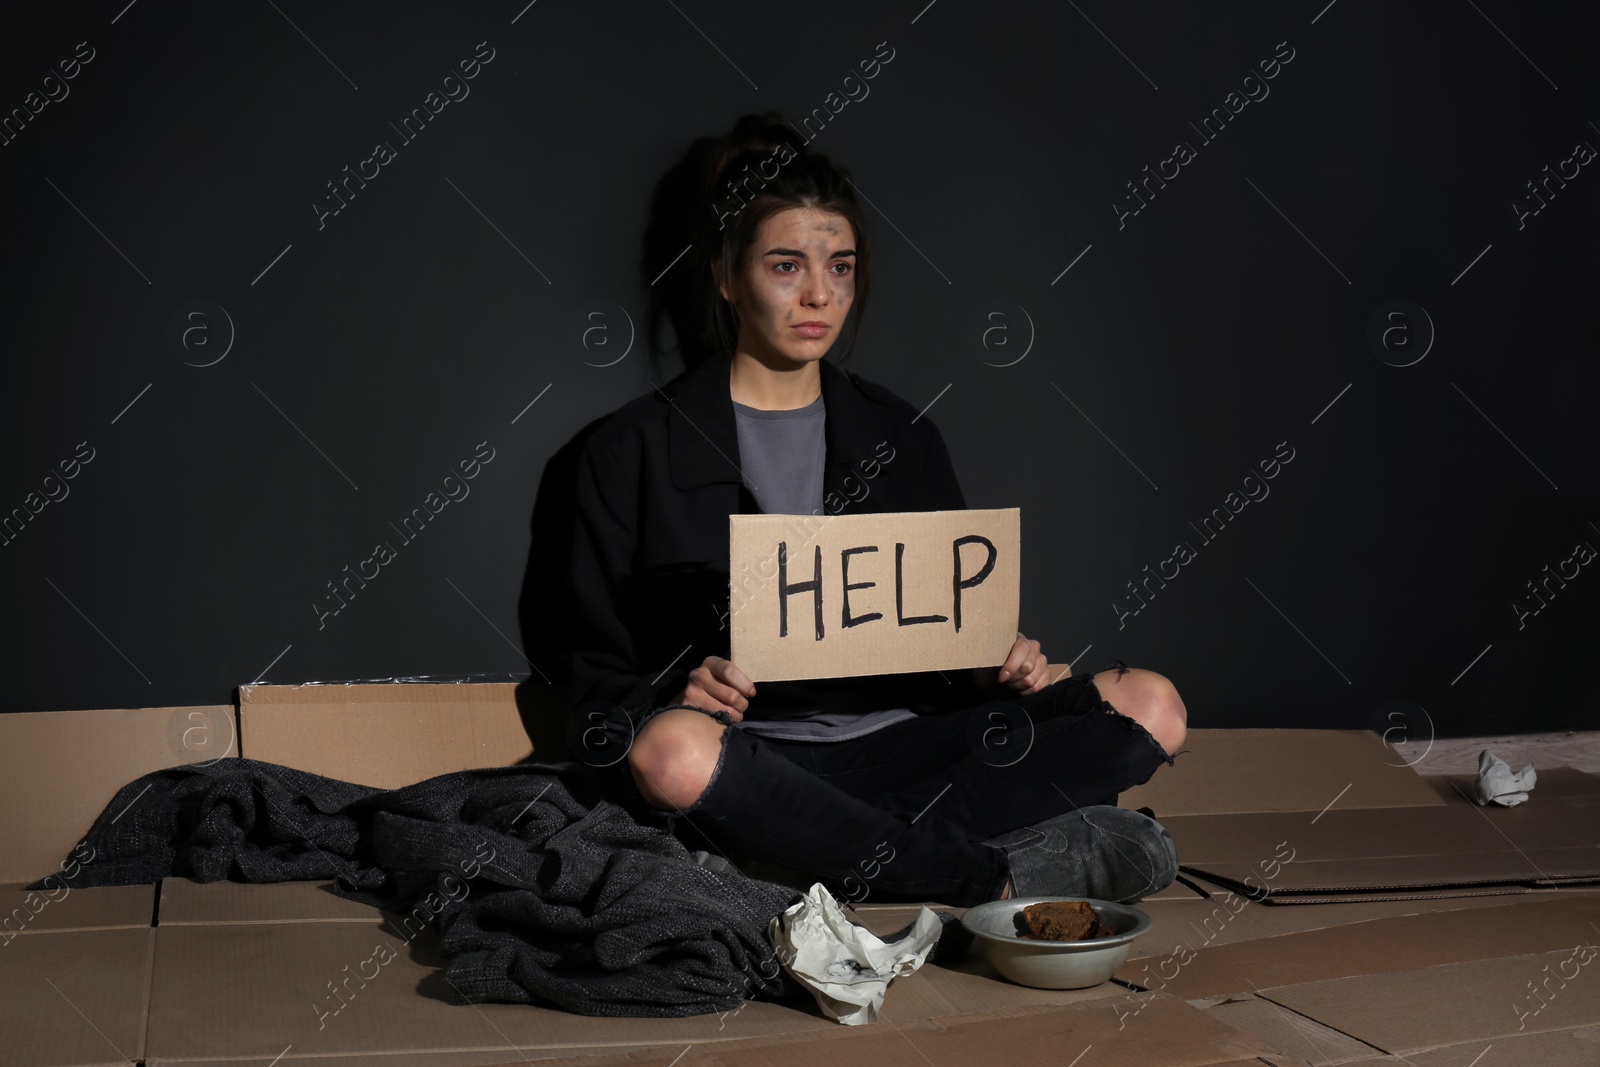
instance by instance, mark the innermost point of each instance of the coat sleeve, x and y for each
(939, 474)
(601, 651)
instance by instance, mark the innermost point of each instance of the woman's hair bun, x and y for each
(754, 137)
(764, 133)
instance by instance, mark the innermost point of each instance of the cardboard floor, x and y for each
(1335, 907)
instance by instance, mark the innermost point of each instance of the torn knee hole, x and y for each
(716, 770)
(1140, 728)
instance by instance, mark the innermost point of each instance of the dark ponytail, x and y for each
(760, 168)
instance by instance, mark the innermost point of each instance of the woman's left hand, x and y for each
(1024, 671)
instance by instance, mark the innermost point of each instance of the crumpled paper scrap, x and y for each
(846, 967)
(1497, 784)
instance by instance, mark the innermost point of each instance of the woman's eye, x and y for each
(847, 267)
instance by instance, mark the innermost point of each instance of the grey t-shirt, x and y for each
(781, 455)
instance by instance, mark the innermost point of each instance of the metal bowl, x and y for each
(1054, 964)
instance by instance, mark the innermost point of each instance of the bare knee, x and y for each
(674, 756)
(1152, 700)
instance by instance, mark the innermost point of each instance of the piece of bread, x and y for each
(1060, 920)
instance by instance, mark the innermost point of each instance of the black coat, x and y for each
(655, 484)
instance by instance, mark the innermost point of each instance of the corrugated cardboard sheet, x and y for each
(1169, 1033)
(1488, 999)
(1280, 1028)
(380, 735)
(1327, 815)
(1470, 979)
(1288, 855)
(188, 903)
(1578, 1047)
(1220, 772)
(75, 997)
(305, 970)
(59, 769)
(61, 907)
(836, 596)
(1375, 947)
(1227, 919)
(291, 974)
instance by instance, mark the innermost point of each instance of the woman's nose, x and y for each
(816, 291)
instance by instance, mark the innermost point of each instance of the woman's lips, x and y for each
(813, 330)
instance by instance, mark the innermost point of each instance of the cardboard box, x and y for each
(236, 974)
(61, 768)
(384, 735)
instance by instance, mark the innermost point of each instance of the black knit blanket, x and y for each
(541, 890)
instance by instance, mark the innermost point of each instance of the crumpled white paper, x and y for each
(846, 967)
(1497, 784)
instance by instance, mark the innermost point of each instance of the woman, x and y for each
(954, 787)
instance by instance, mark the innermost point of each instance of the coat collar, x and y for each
(703, 437)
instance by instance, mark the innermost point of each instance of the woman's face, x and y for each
(796, 287)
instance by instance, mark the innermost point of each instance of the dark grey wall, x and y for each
(1136, 370)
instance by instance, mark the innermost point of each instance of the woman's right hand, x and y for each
(718, 685)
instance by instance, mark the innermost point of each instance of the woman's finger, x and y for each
(720, 698)
(706, 696)
(738, 679)
(1014, 661)
(728, 673)
(726, 695)
(1031, 672)
(1023, 674)
(1041, 668)
(730, 698)
(1040, 675)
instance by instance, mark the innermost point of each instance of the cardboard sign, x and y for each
(835, 596)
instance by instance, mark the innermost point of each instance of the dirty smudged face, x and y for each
(796, 287)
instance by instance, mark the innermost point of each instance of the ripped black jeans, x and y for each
(901, 813)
